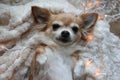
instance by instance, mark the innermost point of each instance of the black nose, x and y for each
(65, 34)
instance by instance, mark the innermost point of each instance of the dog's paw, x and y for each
(43, 52)
(41, 57)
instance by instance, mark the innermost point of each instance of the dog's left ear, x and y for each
(41, 15)
(89, 20)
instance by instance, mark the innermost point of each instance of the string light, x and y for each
(106, 16)
(97, 2)
(99, 17)
(97, 72)
(83, 7)
(89, 3)
(88, 63)
(90, 37)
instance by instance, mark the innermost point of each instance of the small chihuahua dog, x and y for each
(60, 37)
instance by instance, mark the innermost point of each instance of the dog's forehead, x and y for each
(67, 19)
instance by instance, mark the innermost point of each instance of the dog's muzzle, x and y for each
(65, 37)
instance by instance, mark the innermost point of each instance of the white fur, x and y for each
(54, 67)
(41, 59)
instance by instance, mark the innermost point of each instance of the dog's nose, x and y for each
(65, 34)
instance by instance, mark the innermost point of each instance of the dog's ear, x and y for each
(89, 20)
(41, 15)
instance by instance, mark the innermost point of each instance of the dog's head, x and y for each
(63, 28)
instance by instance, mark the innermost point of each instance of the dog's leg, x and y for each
(38, 62)
(78, 69)
(42, 63)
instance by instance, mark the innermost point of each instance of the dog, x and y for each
(61, 36)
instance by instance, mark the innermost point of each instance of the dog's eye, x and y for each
(75, 29)
(55, 26)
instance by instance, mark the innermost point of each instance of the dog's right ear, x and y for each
(41, 15)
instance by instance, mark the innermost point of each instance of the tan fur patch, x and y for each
(67, 19)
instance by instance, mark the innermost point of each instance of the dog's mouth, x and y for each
(64, 40)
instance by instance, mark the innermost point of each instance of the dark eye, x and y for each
(55, 26)
(75, 29)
